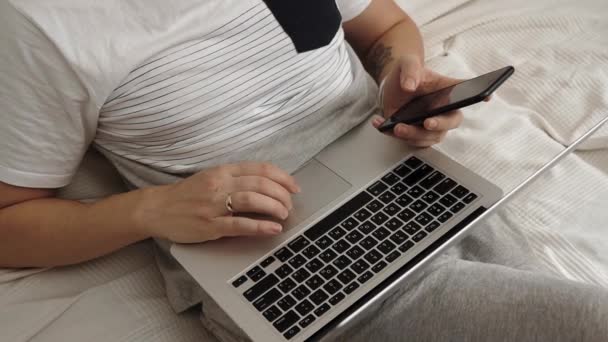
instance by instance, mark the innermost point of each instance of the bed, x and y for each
(560, 50)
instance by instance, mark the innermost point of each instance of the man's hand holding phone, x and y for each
(408, 80)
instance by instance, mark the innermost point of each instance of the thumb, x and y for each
(410, 74)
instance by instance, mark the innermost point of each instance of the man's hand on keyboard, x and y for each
(201, 207)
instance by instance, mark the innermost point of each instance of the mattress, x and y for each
(559, 90)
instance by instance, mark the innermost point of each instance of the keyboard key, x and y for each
(423, 219)
(342, 262)
(239, 281)
(445, 216)
(379, 266)
(306, 321)
(267, 299)
(379, 218)
(300, 292)
(355, 252)
(393, 256)
(293, 331)
(386, 246)
(256, 273)
(286, 302)
(298, 243)
(283, 254)
(314, 265)
(391, 209)
(328, 255)
(366, 227)
(399, 188)
(318, 297)
(304, 307)
(406, 214)
(328, 272)
(372, 256)
(448, 200)
(368, 243)
(362, 215)
(365, 277)
(436, 209)
(469, 198)
(338, 215)
(390, 178)
(418, 175)
(419, 236)
(272, 313)
(350, 288)
(406, 246)
(432, 180)
(415, 192)
(399, 237)
(374, 206)
(332, 286)
(341, 246)
(321, 310)
(393, 224)
(460, 191)
(430, 197)
(324, 242)
(418, 206)
(310, 251)
(354, 237)
(402, 170)
(413, 162)
(432, 226)
(404, 200)
(337, 233)
(297, 261)
(350, 224)
(287, 285)
(268, 261)
(300, 275)
(314, 282)
(346, 276)
(412, 228)
(360, 266)
(377, 188)
(336, 298)
(262, 286)
(444, 186)
(457, 207)
(387, 197)
(381, 233)
(285, 321)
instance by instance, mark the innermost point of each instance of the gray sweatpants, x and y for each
(489, 288)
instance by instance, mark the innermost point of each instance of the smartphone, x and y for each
(447, 99)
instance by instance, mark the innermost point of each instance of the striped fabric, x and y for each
(236, 85)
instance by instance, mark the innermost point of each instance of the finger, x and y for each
(410, 75)
(242, 226)
(377, 120)
(265, 170)
(444, 122)
(412, 133)
(264, 186)
(253, 202)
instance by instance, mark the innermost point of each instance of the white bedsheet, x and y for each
(561, 86)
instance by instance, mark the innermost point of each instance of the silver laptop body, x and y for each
(372, 211)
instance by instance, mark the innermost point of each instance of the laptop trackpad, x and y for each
(320, 186)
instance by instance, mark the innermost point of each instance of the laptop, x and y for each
(371, 213)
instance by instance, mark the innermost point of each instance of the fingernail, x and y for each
(409, 84)
(284, 215)
(275, 229)
(432, 123)
(298, 189)
(402, 130)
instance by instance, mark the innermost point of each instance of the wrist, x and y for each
(148, 205)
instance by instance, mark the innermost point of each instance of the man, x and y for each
(199, 104)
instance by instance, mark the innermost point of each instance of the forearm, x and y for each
(52, 232)
(401, 39)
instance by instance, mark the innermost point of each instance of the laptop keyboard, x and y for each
(330, 260)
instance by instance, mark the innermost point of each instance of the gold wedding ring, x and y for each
(229, 206)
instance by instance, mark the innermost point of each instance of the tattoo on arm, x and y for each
(378, 58)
